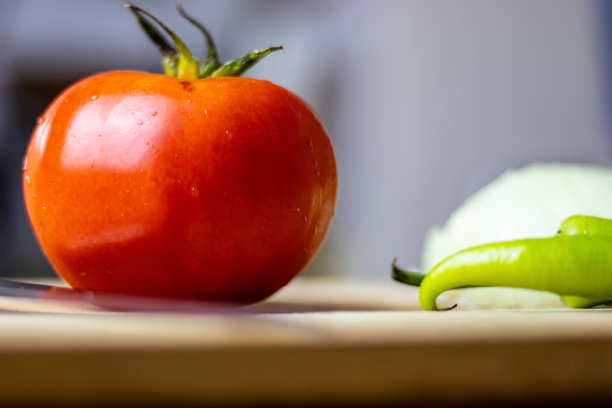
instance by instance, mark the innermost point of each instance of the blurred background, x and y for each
(425, 101)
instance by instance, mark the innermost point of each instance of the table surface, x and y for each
(317, 341)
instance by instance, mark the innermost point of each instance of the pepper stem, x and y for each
(405, 276)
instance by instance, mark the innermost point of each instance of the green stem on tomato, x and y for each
(242, 64)
(179, 61)
(187, 67)
(168, 51)
(211, 62)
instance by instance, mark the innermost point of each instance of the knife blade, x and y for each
(66, 297)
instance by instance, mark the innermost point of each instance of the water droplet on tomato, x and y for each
(294, 210)
(205, 112)
(195, 191)
(139, 122)
(82, 274)
(154, 113)
(310, 145)
(24, 164)
(44, 208)
(40, 120)
(27, 179)
(94, 97)
(315, 167)
(188, 100)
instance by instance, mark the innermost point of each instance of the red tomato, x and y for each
(146, 184)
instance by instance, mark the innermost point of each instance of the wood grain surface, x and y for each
(317, 342)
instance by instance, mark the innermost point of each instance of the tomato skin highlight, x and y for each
(221, 189)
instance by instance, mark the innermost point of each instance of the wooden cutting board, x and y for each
(317, 342)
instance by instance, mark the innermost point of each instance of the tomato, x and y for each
(196, 184)
(219, 188)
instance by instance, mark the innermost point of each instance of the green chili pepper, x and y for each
(576, 264)
(585, 225)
